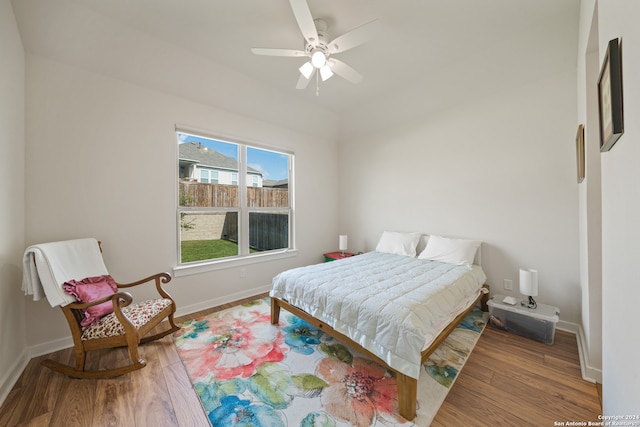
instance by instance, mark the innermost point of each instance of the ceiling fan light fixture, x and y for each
(306, 70)
(320, 47)
(318, 58)
(325, 73)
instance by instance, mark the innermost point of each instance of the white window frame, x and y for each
(217, 176)
(204, 176)
(209, 176)
(244, 257)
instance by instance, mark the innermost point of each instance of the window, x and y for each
(209, 177)
(234, 200)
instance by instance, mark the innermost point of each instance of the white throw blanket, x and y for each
(47, 266)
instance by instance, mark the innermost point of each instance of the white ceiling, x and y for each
(428, 54)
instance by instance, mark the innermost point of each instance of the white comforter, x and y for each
(392, 305)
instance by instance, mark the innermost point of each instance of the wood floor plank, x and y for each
(108, 358)
(43, 401)
(43, 420)
(477, 371)
(563, 401)
(566, 402)
(502, 404)
(114, 402)
(150, 394)
(183, 397)
(469, 409)
(165, 349)
(13, 410)
(562, 364)
(493, 362)
(508, 380)
(521, 384)
(501, 356)
(31, 371)
(75, 404)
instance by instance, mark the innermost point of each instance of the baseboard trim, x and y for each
(12, 376)
(204, 305)
(50, 346)
(589, 373)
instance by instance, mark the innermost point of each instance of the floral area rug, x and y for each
(248, 372)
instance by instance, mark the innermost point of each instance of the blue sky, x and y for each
(273, 165)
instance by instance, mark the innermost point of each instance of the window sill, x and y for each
(203, 267)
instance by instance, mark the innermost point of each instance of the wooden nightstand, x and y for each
(332, 256)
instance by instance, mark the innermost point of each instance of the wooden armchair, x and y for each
(130, 323)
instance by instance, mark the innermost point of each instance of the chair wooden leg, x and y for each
(134, 355)
(81, 357)
(172, 322)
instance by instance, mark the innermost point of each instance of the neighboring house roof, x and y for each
(194, 152)
(282, 183)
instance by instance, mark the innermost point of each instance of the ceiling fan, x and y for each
(319, 48)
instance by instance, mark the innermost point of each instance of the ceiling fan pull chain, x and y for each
(317, 84)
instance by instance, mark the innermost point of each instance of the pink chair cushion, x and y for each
(90, 289)
(138, 313)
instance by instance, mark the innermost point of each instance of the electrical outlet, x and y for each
(508, 284)
(243, 272)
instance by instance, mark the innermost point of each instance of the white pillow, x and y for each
(452, 251)
(398, 243)
(422, 243)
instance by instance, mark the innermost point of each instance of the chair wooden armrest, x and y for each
(159, 279)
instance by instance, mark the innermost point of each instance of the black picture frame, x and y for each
(610, 97)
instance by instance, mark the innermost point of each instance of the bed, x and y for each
(395, 304)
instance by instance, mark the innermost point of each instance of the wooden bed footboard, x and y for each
(407, 386)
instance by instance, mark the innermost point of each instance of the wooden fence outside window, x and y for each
(267, 230)
(196, 194)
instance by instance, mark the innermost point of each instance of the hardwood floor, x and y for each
(508, 380)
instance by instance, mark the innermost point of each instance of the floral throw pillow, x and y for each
(90, 289)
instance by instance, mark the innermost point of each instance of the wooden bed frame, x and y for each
(407, 386)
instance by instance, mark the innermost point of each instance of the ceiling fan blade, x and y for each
(344, 71)
(303, 82)
(277, 52)
(354, 37)
(305, 21)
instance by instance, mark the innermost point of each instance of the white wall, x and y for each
(101, 161)
(620, 224)
(500, 169)
(12, 144)
(590, 194)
